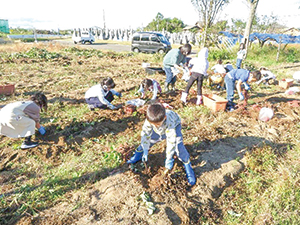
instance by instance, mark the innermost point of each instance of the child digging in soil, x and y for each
(101, 95)
(171, 63)
(163, 124)
(241, 76)
(267, 76)
(150, 85)
(19, 119)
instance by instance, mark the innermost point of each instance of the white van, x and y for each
(83, 36)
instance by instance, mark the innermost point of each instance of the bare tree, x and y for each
(208, 11)
(253, 5)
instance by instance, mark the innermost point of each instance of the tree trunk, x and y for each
(253, 6)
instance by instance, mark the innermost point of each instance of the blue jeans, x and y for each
(170, 79)
(229, 89)
(238, 63)
(180, 150)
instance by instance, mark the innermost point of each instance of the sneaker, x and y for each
(91, 107)
(29, 144)
(231, 109)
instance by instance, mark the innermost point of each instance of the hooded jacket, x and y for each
(200, 64)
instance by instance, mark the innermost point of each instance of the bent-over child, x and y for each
(219, 67)
(163, 124)
(171, 63)
(150, 85)
(228, 67)
(101, 95)
(199, 68)
(19, 119)
(218, 77)
(242, 76)
(266, 77)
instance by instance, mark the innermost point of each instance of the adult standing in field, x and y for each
(172, 62)
(19, 119)
(241, 54)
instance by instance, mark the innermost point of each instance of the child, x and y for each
(240, 56)
(171, 63)
(150, 85)
(267, 75)
(164, 124)
(199, 69)
(19, 119)
(228, 67)
(219, 68)
(241, 76)
(101, 95)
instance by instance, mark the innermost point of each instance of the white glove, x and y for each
(145, 156)
(241, 97)
(113, 107)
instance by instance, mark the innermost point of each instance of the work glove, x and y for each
(145, 156)
(241, 96)
(119, 94)
(113, 107)
(42, 130)
(247, 87)
(116, 93)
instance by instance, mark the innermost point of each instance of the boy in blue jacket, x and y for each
(163, 124)
(241, 76)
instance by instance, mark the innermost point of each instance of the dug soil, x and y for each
(217, 155)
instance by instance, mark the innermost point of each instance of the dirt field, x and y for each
(217, 143)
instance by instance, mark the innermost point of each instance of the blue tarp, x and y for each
(279, 38)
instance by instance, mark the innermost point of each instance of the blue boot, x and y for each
(137, 157)
(190, 173)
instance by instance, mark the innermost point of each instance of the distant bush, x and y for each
(216, 54)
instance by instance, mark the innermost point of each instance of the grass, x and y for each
(75, 172)
(266, 192)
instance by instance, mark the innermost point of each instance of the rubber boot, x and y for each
(169, 164)
(183, 97)
(137, 157)
(173, 87)
(190, 173)
(199, 100)
(166, 87)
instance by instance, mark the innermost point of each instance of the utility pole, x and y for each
(104, 26)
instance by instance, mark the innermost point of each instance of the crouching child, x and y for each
(19, 119)
(150, 85)
(163, 124)
(101, 95)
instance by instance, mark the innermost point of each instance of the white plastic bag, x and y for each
(265, 114)
(186, 74)
(292, 91)
(136, 102)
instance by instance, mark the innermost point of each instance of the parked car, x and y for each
(150, 42)
(83, 36)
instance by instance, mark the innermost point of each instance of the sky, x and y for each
(66, 14)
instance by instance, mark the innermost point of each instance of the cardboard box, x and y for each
(286, 83)
(8, 89)
(214, 102)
